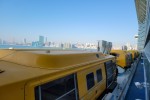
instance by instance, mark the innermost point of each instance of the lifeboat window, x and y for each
(97, 55)
(61, 89)
(109, 72)
(99, 75)
(90, 80)
(114, 54)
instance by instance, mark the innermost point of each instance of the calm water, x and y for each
(20, 47)
(31, 47)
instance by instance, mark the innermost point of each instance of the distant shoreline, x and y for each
(18, 46)
(32, 47)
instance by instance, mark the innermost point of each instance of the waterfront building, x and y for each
(4, 42)
(74, 46)
(67, 45)
(61, 45)
(35, 44)
(80, 45)
(46, 40)
(1, 41)
(124, 47)
(24, 41)
(90, 46)
(41, 40)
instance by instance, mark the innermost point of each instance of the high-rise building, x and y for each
(90, 46)
(41, 40)
(129, 46)
(25, 41)
(124, 47)
(46, 40)
(35, 44)
(1, 41)
(61, 45)
(67, 45)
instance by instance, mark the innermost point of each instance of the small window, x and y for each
(99, 75)
(110, 69)
(90, 80)
(114, 54)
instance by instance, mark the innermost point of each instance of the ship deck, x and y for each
(134, 92)
(126, 88)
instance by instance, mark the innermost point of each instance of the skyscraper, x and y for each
(1, 41)
(24, 41)
(46, 40)
(41, 40)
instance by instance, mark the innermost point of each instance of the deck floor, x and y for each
(133, 92)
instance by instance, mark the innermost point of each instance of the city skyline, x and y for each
(42, 42)
(46, 40)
